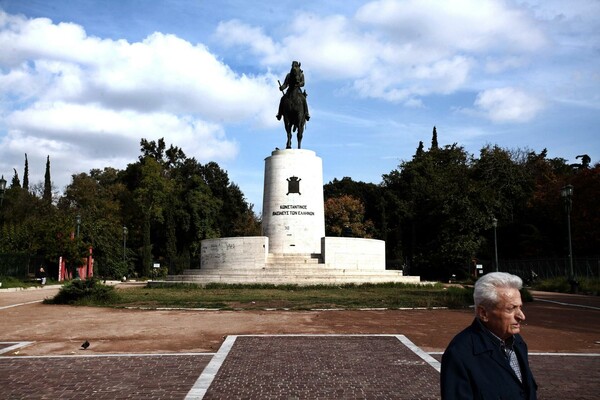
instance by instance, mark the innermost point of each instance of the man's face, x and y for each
(504, 320)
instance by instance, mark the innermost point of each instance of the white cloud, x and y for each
(163, 72)
(236, 33)
(399, 50)
(86, 137)
(508, 105)
(459, 25)
(88, 101)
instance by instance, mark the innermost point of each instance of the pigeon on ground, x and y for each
(85, 345)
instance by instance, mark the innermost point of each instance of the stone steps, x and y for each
(293, 259)
(283, 268)
(301, 275)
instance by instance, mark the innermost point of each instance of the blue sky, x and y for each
(83, 81)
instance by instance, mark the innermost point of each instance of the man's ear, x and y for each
(482, 313)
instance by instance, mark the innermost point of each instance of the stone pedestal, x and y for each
(293, 248)
(293, 216)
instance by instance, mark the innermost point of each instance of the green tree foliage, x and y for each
(434, 140)
(96, 198)
(47, 183)
(177, 202)
(15, 180)
(370, 197)
(440, 210)
(168, 202)
(434, 211)
(440, 207)
(586, 216)
(26, 174)
(344, 216)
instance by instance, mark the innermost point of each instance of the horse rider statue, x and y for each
(294, 80)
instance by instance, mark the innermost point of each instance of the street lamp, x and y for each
(567, 194)
(78, 220)
(495, 225)
(124, 241)
(2, 189)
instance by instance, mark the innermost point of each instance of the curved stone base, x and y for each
(247, 260)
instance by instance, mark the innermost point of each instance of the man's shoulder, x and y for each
(467, 337)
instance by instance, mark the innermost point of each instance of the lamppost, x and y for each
(567, 194)
(78, 220)
(495, 225)
(2, 189)
(124, 241)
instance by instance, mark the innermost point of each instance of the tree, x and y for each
(420, 149)
(434, 140)
(370, 195)
(234, 209)
(150, 196)
(47, 183)
(96, 197)
(441, 218)
(16, 183)
(505, 188)
(26, 174)
(344, 216)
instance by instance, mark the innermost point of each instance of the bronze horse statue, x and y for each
(293, 109)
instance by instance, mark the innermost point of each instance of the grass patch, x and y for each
(561, 285)
(9, 282)
(294, 297)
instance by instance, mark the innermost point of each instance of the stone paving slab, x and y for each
(100, 377)
(323, 367)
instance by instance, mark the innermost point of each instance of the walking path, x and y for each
(272, 354)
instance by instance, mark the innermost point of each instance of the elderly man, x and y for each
(488, 360)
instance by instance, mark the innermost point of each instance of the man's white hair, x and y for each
(486, 293)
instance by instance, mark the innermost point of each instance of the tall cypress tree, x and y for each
(16, 183)
(47, 183)
(419, 152)
(26, 174)
(434, 141)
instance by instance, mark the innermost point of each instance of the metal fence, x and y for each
(14, 264)
(23, 265)
(544, 268)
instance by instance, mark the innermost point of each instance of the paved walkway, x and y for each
(273, 367)
(336, 364)
(322, 367)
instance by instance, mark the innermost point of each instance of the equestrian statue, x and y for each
(292, 106)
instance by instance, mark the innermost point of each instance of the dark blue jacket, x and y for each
(474, 367)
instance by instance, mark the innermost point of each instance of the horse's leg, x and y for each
(288, 129)
(300, 134)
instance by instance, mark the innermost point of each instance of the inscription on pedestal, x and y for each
(293, 209)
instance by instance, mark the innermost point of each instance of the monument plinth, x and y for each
(293, 216)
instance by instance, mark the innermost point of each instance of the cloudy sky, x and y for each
(84, 80)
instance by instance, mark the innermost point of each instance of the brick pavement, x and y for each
(566, 377)
(351, 366)
(323, 367)
(100, 377)
(274, 367)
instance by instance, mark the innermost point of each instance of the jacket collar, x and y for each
(484, 342)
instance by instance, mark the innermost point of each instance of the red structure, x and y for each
(84, 271)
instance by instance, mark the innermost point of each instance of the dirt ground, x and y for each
(556, 326)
